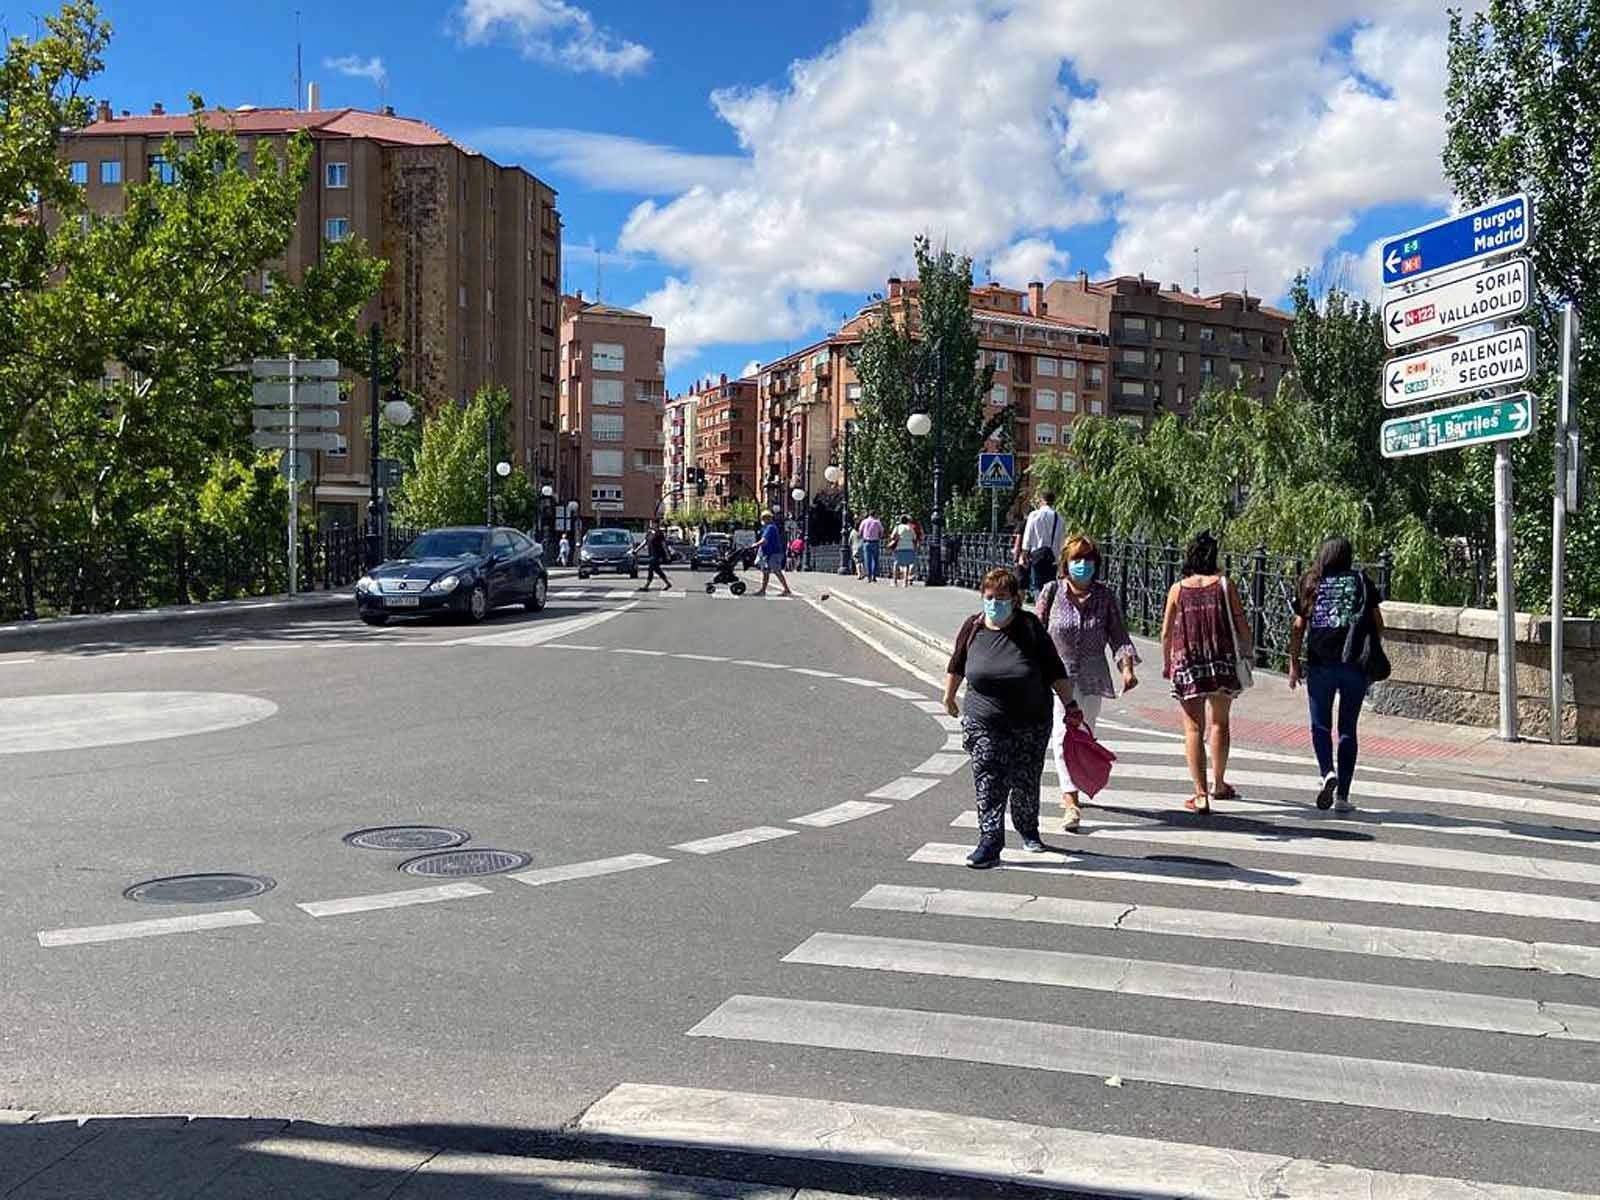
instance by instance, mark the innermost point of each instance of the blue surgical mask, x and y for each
(1081, 569)
(996, 610)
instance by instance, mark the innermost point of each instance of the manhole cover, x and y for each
(451, 864)
(407, 837)
(199, 889)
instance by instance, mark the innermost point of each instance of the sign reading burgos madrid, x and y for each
(1497, 294)
(1493, 360)
(1501, 227)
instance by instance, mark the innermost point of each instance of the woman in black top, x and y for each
(1011, 667)
(655, 546)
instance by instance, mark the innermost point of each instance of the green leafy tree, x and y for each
(1522, 110)
(899, 374)
(744, 512)
(448, 485)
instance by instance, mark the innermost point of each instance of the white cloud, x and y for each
(357, 67)
(1257, 133)
(551, 31)
(751, 369)
(612, 162)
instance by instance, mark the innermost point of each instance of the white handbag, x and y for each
(1241, 658)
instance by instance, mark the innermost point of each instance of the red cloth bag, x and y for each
(1088, 762)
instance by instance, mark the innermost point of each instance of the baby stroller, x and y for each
(726, 574)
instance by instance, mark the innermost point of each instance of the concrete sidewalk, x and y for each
(1268, 716)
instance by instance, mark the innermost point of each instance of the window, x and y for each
(336, 229)
(1044, 435)
(1069, 369)
(530, 258)
(606, 391)
(530, 310)
(1268, 346)
(998, 396)
(488, 350)
(1181, 396)
(465, 346)
(488, 248)
(78, 172)
(491, 195)
(1045, 399)
(1183, 363)
(1156, 360)
(266, 283)
(488, 301)
(607, 356)
(852, 392)
(547, 315)
(606, 427)
(1208, 336)
(110, 171)
(605, 462)
(1069, 402)
(1237, 371)
(1047, 366)
(1097, 376)
(1155, 392)
(1133, 388)
(1134, 325)
(338, 175)
(1155, 328)
(1133, 358)
(1096, 407)
(605, 493)
(1002, 361)
(1207, 367)
(461, 295)
(161, 171)
(1183, 331)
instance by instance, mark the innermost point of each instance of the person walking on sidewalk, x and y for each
(1084, 620)
(564, 551)
(903, 540)
(655, 554)
(871, 543)
(855, 552)
(1336, 617)
(1011, 668)
(1204, 638)
(771, 552)
(1038, 544)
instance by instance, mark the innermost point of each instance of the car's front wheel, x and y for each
(536, 601)
(477, 603)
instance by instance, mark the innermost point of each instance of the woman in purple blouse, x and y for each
(1084, 620)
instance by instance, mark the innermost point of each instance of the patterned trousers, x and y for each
(1007, 765)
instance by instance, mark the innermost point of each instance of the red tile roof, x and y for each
(329, 122)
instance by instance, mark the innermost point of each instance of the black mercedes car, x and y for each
(463, 570)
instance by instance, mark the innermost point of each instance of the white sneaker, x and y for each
(1343, 804)
(1070, 817)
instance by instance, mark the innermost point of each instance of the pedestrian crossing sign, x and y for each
(997, 470)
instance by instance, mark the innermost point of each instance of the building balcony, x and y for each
(1131, 370)
(1136, 337)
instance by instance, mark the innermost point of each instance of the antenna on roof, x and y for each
(299, 80)
(599, 278)
(1197, 270)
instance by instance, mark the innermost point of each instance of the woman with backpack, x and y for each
(1206, 652)
(1337, 619)
(1084, 621)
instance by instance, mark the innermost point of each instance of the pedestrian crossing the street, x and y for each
(1422, 967)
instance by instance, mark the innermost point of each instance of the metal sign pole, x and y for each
(1558, 532)
(1507, 598)
(294, 482)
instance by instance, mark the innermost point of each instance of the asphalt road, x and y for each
(617, 724)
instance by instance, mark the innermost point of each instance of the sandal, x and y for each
(1198, 804)
(1225, 792)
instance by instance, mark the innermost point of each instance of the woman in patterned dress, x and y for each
(1203, 634)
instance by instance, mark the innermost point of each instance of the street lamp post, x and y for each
(799, 496)
(375, 545)
(547, 510)
(490, 468)
(838, 475)
(919, 424)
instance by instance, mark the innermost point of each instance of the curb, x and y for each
(911, 631)
(150, 616)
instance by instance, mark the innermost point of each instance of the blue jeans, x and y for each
(869, 556)
(1348, 682)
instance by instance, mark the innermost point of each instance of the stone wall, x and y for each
(1447, 668)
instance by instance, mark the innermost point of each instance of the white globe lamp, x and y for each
(502, 469)
(831, 474)
(919, 424)
(397, 412)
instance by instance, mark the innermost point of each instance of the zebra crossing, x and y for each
(1432, 956)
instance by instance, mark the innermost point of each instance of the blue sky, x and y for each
(751, 171)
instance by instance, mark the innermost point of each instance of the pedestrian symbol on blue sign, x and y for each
(1487, 232)
(996, 470)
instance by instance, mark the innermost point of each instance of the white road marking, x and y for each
(78, 721)
(540, 632)
(935, 707)
(765, 666)
(941, 764)
(1107, 723)
(180, 650)
(587, 870)
(734, 840)
(1377, 789)
(907, 787)
(1179, 1062)
(814, 673)
(1426, 945)
(1358, 848)
(16, 662)
(570, 646)
(867, 639)
(1010, 1151)
(849, 810)
(866, 683)
(1280, 883)
(645, 653)
(946, 722)
(1206, 985)
(900, 693)
(955, 743)
(712, 658)
(194, 923)
(622, 595)
(425, 895)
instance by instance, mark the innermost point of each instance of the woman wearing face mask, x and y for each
(1084, 620)
(1011, 668)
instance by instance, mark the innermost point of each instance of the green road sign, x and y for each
(1497, 419)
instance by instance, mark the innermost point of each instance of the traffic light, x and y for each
(700, 482)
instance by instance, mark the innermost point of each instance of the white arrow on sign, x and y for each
(1393, 261)
(1490, 361)
(279, 418)
(304, 368)
(323, 394)
(1501, 292)
(278, 439)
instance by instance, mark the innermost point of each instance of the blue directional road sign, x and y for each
(997, 470)
(1499, 228)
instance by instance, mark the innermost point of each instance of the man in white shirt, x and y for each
(1039, 543)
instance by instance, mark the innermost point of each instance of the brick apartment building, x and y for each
(1051, 370)
(1168, 346)
(725, 440)
(613, 402)
(474, 251)
(679, 421)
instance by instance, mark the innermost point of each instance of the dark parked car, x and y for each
(710, 551)
(608, 550)
(463, 570)
(679, 551)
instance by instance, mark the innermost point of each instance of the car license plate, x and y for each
(402, 601)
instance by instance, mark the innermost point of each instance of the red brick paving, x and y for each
(1293, 735)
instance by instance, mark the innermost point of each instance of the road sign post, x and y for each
(997, 470)
(291, 395)
(1558, 524)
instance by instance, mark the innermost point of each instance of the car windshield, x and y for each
(447, 543)
(607, 537)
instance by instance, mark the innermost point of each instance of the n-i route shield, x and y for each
(1497, 294)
